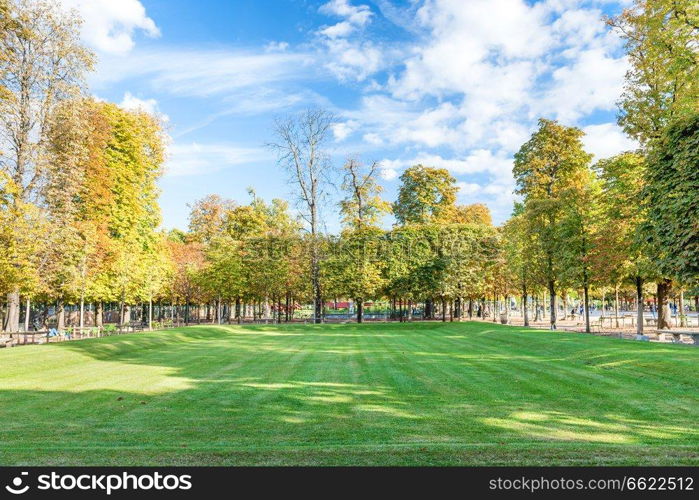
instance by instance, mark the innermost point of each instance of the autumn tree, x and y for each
(543, 169)
(355, 267)
(425, 195)
(663, 82)
(110, 202)
(580, 213)
(43, 63)
(362, 206)
(208, 217)
(476, 213)
(619, 250)
(518, 245)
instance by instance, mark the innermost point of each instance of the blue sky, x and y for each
(457, 84)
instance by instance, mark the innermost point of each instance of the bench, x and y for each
(677, 335)
(6, 342)
(651, 322)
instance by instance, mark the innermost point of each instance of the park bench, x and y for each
(6, 342)
(651, 322)
(677, 335)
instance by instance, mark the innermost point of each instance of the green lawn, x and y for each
(372, 394)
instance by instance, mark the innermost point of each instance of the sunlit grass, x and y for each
(424, 393)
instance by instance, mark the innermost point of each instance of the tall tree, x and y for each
(580, 216)
(300, 145)
(518, 246)
(619, 251)
(426, 195)
(43, 63)
(672, 200)
(663, 81)
(357, 266)
(543, 168)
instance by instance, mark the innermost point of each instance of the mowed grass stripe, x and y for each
(427, 393)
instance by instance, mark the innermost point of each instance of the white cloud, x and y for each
(593, 82)
(352, 60)
(276, 47)
(195, 158)
(468, 188)
(481, 161)
(356, 15)
(606, 140)
(341, 29)
(388, 173)
(349, 58)
(469, 88)
(203, 73)
(343, 130)
(110, 25)
(133, 103)
(504, 63)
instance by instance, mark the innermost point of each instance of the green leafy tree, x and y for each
(672, 200)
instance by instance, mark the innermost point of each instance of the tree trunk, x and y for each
(286, 307)
(639, 300)
(663, 288)
(12, 318)
(315, 277)
(552, 303)
(27, 313)
(99, 314)
(616, 305)
(60, 316)
(360, 310)
(683, 318)
(525, 310)
(586, 299)
(82, 314)
(150, 313)
(126, 315)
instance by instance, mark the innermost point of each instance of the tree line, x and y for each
(79, 217)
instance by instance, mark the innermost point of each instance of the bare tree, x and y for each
(43, 64)
(300, 145)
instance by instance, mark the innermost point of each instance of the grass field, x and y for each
(372, 394)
